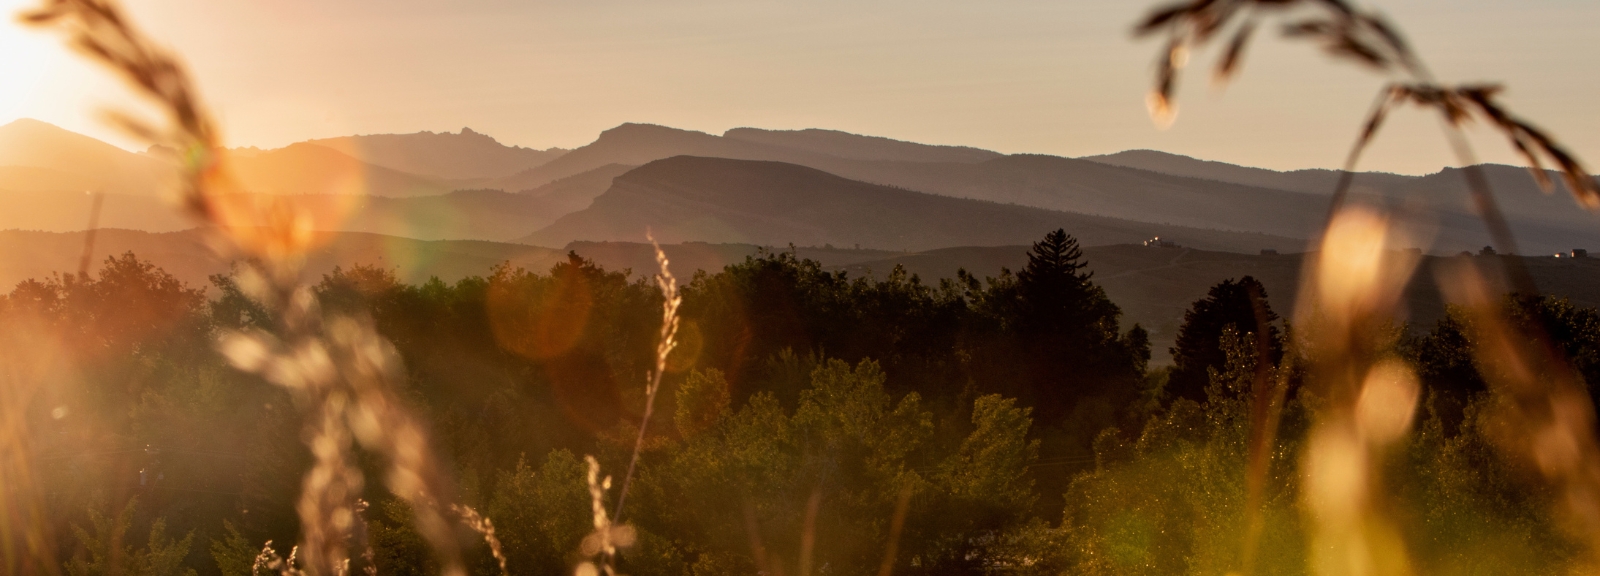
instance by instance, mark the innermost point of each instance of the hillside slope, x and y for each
(1312, 181)
(859, 147)
(690, 198)
(41, 157)
(1543, 223)
(445, 155)
(188, 256)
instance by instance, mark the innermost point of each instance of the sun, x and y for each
(41, 78)
(25, 58)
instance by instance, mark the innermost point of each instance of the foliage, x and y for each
(541, 514)
(105, 552)
(844, 454)
(1173, 501)
(234, 554)
(987, 400)
(1241, 304)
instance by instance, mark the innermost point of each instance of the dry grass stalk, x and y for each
(1366, 384)
(268, 562)
(478, 523)
(1369, 39)
(896, 524)
(600, 546)
(341, 372)
(766, 563)
(665, 343)
(25, 366)
(1346, 308)
(1267, 392)
(808, 532)
(1543, 414)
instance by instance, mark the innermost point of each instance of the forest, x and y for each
(808, 421)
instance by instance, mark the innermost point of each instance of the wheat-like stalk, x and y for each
(1350, 294)
(1367, 38)
(270, 563)
(600, 546)
(1352, 288)
(485, 527)
(341, 372)
(25, 546)
(665, 342)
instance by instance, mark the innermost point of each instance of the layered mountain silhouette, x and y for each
(449, 156)
(855, 146)
(1544, 222)
(435, 186)
(1314, 181)
(40, 157)
(773, 203)
(1140, 185)
(310, 169)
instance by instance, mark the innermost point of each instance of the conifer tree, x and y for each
(1241, 304)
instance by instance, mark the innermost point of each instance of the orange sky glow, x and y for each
(1055, 77)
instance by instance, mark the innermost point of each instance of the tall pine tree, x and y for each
(1063, 331)
(1241, 304)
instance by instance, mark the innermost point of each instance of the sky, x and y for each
(1061, 77)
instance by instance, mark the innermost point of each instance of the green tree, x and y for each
(106, 551)
(1241, 304)
(1173, 501)
(234, 554)
(540, 515)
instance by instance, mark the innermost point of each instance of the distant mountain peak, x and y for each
(463, 155)
(30, 123)
(858, 146)
(637, 129)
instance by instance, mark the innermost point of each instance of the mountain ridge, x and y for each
(689, 198)
(461, 155)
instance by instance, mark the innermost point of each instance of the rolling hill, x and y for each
(447, 156)
(1153, 286)
(1544, 223)
(858, 147)
(311, 169)
(187, 255)
(457, 215)
(41, 157)
(1137, 186)
(1315, 181)
(689, 198)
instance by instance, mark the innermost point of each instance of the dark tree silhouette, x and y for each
(1065, 329)
(1241, 304)
(1055, 291)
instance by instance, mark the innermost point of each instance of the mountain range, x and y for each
(762, 186)
(691, 198)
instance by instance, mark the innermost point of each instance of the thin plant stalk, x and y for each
(664, 346)
(896, 524)
(1353, 369)
(342, 374)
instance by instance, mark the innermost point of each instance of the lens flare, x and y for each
(1388, 402)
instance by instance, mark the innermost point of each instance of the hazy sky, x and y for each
(1049, 76)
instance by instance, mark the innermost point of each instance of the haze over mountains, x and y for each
(806, 186)
(455, 204)
(690, 198)
(461, 156)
